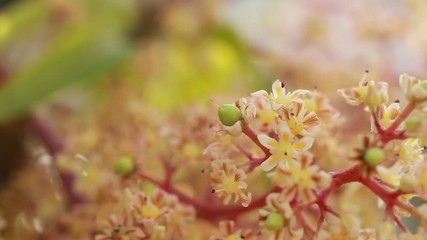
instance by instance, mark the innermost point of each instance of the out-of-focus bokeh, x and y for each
(65, 63)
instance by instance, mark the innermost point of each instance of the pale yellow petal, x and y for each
(304, 144)
(269, 164)
(267, 141)
(278, 90)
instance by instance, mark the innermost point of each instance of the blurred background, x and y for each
(62, 63)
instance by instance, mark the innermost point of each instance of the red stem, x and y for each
(377, 123)
(210, 211)
(403, 115)
(348, 175)
(253, 136)
(353, 174)
(54, 146)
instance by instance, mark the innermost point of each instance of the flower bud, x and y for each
(376, 94)
(124, 166)
(373, 156)
(414, 89)
(274, 222)
(229, 114)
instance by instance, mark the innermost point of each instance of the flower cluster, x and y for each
(285, 125)
(156, 216)
(268, 156)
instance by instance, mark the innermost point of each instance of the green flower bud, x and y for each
(274, 222)
(373, 156)
(124, 166)
(229, 114)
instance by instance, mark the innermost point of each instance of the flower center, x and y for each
(285, 100)
(191, 151)
(267, 116)
(230, 185)
(302, 178)
(310, 105)
(150, 211)
(286, 149)
(296, 125)
(362, 91)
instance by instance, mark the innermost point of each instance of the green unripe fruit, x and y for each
(424, 85)
(274, 222)
(124, 166)
(229, 114)
(373, 156)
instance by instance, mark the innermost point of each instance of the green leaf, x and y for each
(77, 56)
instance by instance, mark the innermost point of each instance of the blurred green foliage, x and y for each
(80, 52)
(94, 38)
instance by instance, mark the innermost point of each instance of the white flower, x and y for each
(279, 97)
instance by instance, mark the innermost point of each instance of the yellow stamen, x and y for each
(267, 116)
(296, 125)
(150, 211)
(303, 178)
(230, 185)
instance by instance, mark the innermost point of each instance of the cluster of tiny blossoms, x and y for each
(156, 216)
(283, 126)
(270, 155)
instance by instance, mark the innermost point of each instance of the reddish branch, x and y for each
(254, 137)
(354, 174)
(386, 135)
(402, 116)
(351, 174)
(207, 210)
(54, 146)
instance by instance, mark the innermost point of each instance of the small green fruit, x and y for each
(229, 114)
(124, 166)
(373, 156)
(424, 85)
(274, 222)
